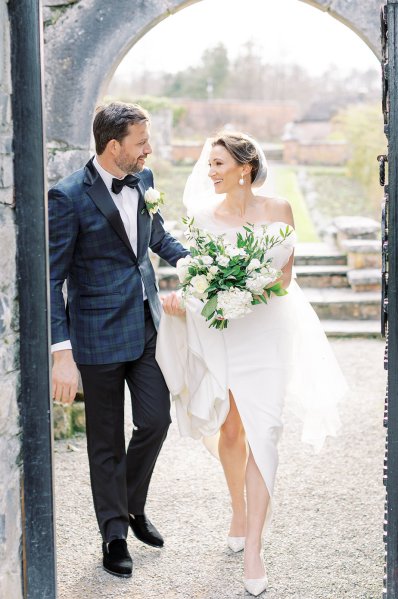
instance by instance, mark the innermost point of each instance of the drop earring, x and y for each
(241, 180)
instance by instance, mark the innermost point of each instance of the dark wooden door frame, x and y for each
(389, 37)
(38, 546)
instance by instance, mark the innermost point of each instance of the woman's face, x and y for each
(224, 171)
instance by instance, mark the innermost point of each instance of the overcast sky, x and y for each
(285, 30)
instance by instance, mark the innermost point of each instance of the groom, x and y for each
(100, 232)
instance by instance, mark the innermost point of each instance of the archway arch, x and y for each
(86, 44)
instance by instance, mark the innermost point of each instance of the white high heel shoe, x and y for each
(256, 586)
(236, 544)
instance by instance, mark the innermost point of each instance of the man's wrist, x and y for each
(56, 347)
(62, 354)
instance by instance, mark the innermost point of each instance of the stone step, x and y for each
(318, 254)
(355, 227)
(365, 279)
(352, 328)
(323, 276)
(344, 304)
(363, 253)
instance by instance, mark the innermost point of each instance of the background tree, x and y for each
(207, 79)
(362, 127)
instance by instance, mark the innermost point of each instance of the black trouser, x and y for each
(120, 481)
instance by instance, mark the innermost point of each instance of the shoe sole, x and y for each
(119, 574)
(146, 542)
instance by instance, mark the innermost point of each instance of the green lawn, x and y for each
(286, 186)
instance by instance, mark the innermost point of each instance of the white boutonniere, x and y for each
(153, 200)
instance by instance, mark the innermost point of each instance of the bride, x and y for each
(230, 386)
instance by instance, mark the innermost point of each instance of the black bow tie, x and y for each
(129, 180)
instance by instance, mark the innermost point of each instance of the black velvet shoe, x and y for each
(117, 560)
(145, 531)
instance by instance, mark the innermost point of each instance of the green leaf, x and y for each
(277, 289)
(210, 307)
(281, 292)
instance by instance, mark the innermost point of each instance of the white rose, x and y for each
(253, 264)
(213, 269)
(152, 196)
(182, 268)
(231, 251)
(207, 260)
(199, 284)
(273, 273)
(256, 283)
(223, 260)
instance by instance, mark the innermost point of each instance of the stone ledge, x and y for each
(364, 279)
(354, 227)
(352, 328)
(321, 269)
(362, 246)
(363, 253)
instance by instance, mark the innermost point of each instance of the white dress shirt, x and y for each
(127, 203)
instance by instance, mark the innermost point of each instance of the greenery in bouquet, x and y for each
(230, 278)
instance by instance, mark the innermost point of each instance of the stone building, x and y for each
(84, 42)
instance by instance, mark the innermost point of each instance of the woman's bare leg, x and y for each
(257, 504)
(233, 456)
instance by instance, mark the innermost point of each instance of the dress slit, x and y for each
(260, 448)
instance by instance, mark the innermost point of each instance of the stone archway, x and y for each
(87, 39)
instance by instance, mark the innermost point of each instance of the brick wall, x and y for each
(265, 121)
(330, 153)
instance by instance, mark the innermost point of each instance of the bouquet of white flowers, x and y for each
(230, 278)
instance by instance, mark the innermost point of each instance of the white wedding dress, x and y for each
(276, 353)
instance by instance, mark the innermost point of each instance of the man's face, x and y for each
(134, 148)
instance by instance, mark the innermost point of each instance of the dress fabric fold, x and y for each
(276, 355)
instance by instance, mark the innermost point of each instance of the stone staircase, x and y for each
(323, 274)
(341, 278)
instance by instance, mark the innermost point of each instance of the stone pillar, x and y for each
(10, 510)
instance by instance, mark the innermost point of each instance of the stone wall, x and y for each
(10, 513)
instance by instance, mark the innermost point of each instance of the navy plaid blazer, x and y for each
(89, 248)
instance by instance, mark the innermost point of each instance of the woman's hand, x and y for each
(172, 304)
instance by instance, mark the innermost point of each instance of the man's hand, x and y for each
(65, 376)
(172, 304)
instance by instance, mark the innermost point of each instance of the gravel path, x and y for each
(326, 538)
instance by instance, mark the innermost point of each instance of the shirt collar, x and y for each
(106, 176)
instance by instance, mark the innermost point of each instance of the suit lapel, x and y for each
(143, 221)
(101, 197)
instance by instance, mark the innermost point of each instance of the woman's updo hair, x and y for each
(244, 150)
